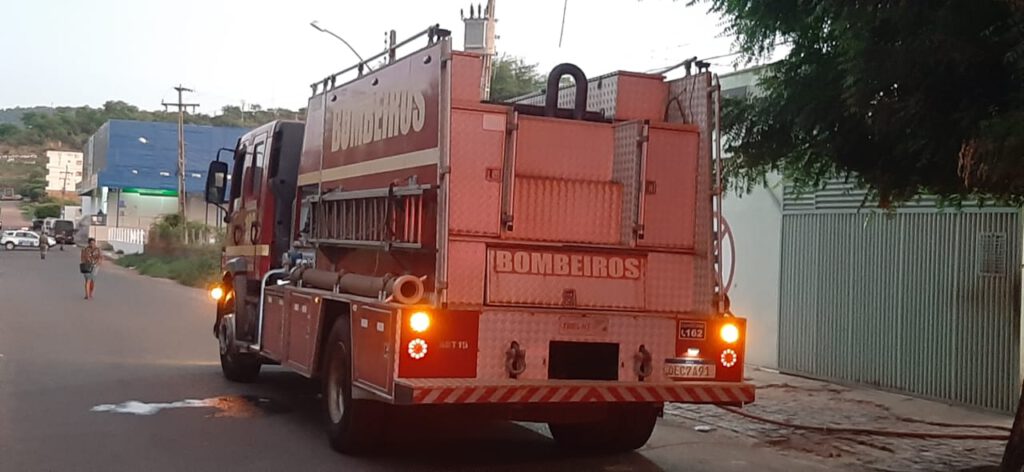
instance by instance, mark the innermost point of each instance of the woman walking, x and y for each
(91, 258)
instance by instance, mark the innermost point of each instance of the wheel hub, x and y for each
(223, 339)
(335, 397)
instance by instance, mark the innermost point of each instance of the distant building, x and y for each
(63, 172)
(131, 171)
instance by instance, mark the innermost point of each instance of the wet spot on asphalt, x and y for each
(232, 406)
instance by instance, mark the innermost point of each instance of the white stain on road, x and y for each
(227, 406)
(147, 409)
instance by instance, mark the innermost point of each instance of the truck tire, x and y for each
(353, 426)
(627, 427)
(236, 366)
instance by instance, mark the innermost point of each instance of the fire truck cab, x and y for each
(550, 259)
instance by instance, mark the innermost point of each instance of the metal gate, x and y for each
(921, 301)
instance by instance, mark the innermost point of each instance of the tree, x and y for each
(905, 97)
(47, 210)
(513, 77)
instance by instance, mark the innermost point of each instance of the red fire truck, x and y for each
(549, 260)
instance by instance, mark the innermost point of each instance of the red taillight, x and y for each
(417, 349)
(729, 358)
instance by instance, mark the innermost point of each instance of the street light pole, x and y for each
(321, 29)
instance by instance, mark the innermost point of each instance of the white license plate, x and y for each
(690, 371)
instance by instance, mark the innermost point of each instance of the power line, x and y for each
(561, 34)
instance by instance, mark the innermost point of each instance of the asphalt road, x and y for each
(149, 341)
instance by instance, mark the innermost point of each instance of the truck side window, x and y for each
(256, 167)
(236, 175)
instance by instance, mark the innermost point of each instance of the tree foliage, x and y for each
(47, 210)
(904, 96)
(513, 77)
(70, 127)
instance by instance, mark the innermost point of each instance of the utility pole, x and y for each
(181, 145)
(64, 191)
(489, 48)
(479, 38)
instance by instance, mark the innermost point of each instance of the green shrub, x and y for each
(169, 235)
(46, 210)
(192, 267)
(131, 260)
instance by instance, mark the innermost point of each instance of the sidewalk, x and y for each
(802, 401)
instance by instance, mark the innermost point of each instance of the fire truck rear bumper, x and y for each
(472, 391)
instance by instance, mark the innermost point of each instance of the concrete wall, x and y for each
(141, 211)
(756, 223)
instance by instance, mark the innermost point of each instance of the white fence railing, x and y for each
(127, 235)
(128, 240)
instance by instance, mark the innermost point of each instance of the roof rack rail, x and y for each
(433, 33)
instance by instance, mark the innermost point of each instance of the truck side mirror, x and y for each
(217, 182)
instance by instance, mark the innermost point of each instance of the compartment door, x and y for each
(304, 318)
(373, 339)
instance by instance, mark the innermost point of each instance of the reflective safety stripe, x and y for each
(479, 392)
(248, 250)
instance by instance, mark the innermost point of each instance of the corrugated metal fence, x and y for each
(919, 301)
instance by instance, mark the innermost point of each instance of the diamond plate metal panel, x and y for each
(466, 272)
(567, 211)
(475, 178)
(466, 78)
(640, 97)
(547, 278)
(566, 149)
(671, 194)
(534, 330)
(626, 172)
(670, 282)
(690, 102)
(601, 95)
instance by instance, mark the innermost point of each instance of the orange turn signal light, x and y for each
(419, 321)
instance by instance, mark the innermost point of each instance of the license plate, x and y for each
(692, 330)
(690, 371)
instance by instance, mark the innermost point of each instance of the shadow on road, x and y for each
(436, 441)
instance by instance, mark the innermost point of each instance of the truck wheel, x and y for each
(626, 428)
(353, 426)
(237, 366)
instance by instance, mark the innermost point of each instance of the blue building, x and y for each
(130, 173)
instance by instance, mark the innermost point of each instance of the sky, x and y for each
(86, 52)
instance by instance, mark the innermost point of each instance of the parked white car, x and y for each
(23, 239)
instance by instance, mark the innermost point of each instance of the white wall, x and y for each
(59, 162)
(756, 223)
(141, 211)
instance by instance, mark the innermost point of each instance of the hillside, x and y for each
(34, 130)
(37, 128)
(13, 115)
